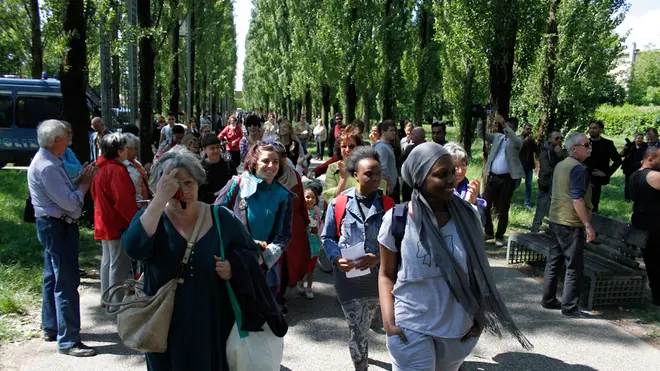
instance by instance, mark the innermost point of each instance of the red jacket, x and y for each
(114, 198)
(233, 137)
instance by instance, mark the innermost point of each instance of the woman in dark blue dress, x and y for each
(202, 317)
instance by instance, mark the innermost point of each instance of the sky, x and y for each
(642, 21)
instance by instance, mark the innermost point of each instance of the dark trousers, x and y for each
(396, 192)
(331, 142)
(543, 200)
(235, 157)
(595, 196)
(320, 147)
(499, 190)
(60, 311)
(626, 188)
(651, 255)
(568, 251)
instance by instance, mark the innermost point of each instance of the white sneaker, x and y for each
(309, 294)
(301, 287)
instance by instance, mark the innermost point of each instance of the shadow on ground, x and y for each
(515, 361)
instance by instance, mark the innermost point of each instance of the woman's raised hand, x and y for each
(342, 170)
(168, 184)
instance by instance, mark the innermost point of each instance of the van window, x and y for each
(33, 110)
(6, 111)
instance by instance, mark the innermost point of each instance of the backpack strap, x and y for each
(232, 203)
(340, 210)
(399, 218)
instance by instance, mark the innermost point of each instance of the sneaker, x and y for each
(528, 207)
(556, 304)
(300, 287)
(488, 236)
(309, 294)
(500, 242)
(79, 350)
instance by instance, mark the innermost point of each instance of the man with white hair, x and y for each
(570, 217)
(95, 138)
(57, 205)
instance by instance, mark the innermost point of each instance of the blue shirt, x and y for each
(71, 164)
(52, 192)
(580, 182)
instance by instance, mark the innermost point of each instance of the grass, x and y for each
(21, 255)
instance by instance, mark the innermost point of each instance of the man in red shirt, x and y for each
(115, 208)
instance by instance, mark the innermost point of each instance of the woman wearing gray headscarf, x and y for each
(436, 303)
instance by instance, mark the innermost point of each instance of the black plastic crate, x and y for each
(519, 253)
(619, 290)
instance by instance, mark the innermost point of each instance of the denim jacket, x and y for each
(354, 230)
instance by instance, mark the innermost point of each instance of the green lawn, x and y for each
(21, 255)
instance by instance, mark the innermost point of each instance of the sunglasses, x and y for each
(585, 145)
(349, 146)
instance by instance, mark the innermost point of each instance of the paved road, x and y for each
(317, 335)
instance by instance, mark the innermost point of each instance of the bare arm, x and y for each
(386, 280)
(151, 217)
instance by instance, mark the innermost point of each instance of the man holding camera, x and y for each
(603, 152)
(504, 169)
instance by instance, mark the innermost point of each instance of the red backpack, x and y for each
(340, 208)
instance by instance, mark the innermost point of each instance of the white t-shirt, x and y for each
(167, 130)
(499, 165)
(422, 299)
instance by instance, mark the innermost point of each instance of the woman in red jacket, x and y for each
(233, 133)
(114, 208)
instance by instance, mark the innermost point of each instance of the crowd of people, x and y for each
(402, 225)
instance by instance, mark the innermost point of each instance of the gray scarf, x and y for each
(474, 290)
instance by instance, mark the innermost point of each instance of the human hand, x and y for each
(368, 261)
(591, 234)
(393, 330)
(344, 265)
(168, 185)
(558, 150)
(88, 173)
(222, 268)
(598, 173)
(343, 174)
(475, 331)
(474, 188)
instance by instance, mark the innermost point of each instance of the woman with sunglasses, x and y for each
(337, 179)
(253, 125)
(233, 133)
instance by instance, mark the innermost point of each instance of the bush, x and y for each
(628, 119)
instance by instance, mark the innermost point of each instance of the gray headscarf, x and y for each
(474, 290)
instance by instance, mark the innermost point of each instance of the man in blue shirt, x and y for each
(57, 205)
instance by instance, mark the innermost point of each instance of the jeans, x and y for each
(498, 193)
(529, 176)
(568, 250)
(359, 313)
(542, 209)
(115, 266)
(60, 310)
(320, 147)
(428, 353)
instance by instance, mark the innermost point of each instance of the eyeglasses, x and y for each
(586, 145)
(348, 146)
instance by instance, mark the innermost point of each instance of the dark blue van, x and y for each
(24, 103)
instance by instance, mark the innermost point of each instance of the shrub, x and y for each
(628, 119)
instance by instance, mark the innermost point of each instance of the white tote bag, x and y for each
(249, 351)
(258, 351)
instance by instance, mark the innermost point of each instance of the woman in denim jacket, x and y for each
(359, 226)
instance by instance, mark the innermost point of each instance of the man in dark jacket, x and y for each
(633, 154)
(603, 152)
(551, 154)
(527, 152)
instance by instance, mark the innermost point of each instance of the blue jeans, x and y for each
(60, 311)
(529, 175)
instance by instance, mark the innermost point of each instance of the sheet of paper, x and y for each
(352, 253)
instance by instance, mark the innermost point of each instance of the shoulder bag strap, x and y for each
(340, 209)
(193, 237)
(238, 314)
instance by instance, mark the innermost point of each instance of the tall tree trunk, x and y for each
(175, 89)
(192, 65)
(392, 51)
(351, 100)
(115, 83)
(425, 24)
(159, 98)
(74, 84)
(500, 60)
(548, 104)
(467, 129)
(308, 106)
(325, 105)
(147, 76)
(37, 50)
(366, 111)
(336, 107)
